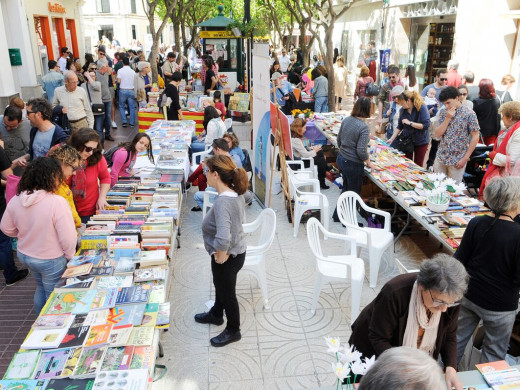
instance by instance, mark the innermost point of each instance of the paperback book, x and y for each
(150, 314)
(89, 362)
(120, 335)
(98, 335)
(51, 363)
(76, 334)
(52, 321)
(127, 379)
(22, 365)
(70, 384)
(131, 314)
(21, 384)
(117, 358)
(62, 302)
(142, 336)
(143, 358)
(71, 363)
(135, 294)
(79, 270)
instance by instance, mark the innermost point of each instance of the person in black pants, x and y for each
(225, 242)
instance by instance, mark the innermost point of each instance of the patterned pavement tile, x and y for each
(286, 358)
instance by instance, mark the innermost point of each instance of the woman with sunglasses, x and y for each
(417, 310)
(70, 160)
(91, 183)
(463, 90)
(490, 250)
(43, 224)
(124, 157)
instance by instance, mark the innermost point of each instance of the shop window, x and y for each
(103, 6)
(43, 34)
(106, 31)
(133, 7)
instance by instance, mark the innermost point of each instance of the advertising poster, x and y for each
(261, 118)
(384, 59)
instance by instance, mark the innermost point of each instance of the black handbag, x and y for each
(97, 109)
(404, 141)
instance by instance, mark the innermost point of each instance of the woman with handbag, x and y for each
(93, 89)
(412, 136)
(506, 151)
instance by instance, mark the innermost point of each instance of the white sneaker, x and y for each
(114, 125)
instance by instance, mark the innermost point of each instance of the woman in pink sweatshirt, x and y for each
(42, 222)
(123, 159)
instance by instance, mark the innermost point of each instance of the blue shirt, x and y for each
(237, 151)
(283, 90)
(420, 137)
(42, 142)
(437, 90)
(51, 81)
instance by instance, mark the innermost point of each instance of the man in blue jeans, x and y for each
(125, 78)
(11, 274)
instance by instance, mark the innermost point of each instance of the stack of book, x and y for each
(499, 375)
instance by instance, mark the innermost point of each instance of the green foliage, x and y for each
(256, 28)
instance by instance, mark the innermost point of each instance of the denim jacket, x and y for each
(51, 81)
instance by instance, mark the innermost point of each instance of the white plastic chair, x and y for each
(207, 201)
(343, 267)
(255, 259)
(402, 268)
(377, 241)
(312, 169)
(304, 201)
(229, 123)
(198, 157)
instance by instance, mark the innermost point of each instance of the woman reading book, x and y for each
(124, 158)
(42, 222)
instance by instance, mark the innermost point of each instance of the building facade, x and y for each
(483, 38)
(123, 22)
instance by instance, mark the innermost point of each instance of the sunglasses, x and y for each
(31, 112)
(443, 79)
(436, 302)
(101, 54)
(94, 68)
(88, 149)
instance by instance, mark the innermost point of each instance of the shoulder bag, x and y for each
(404, 141)
(97, 109)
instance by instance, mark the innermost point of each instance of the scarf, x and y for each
(78, 185)
(502, 149)
(392, 85)
(417, 316)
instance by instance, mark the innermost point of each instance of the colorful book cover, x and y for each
(72, 361)
(142, 336)
(98, 335)
(22, 365)
(85, 259)
(49, 321)
(136, 294)
(113, 358)
(147, 274)
(143, 357)
(157, 294)
(127, 357)
(70, 384)
(105, 299)
(94, 242)
(125, 265)
(163, 318)
(79, 270)
(83, 282)
(62, 302)
(75, 336)
(499, 365)
(503, 378)
(44, 338)
(21, 384)
(132, 379)
(150, 314)
(96, 317)
(89, 362)
(120, 335)
(115, 281)
(102, 271)
(127, 314)
(83, 305)
(51, 363)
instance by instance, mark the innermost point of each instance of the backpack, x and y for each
(371, 89)
(109, 154)
(163, 99)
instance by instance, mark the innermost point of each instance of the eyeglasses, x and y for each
(205, 170)
(443, 79)
(436, 302)
(463, 94)
(88, 149)
(93, 68)
(31, 112)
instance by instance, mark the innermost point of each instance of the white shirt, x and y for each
(76, 103)
(284, 61)
(125, 76)
(62, 63)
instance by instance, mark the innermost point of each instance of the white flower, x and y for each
(358, 368)
(349, 354)
(369, 362)
(436, 176)
(449, 181)
(459, 188)
(341, 370)
(333, 344)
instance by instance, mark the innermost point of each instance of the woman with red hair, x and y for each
(486, 107)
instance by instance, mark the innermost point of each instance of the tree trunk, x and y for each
(329, 64)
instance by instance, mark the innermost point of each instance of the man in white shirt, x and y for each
(125, 78)
(62, 61)
(75, 103)
(169, 67)
(284, 61)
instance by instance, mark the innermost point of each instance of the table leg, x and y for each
(403, 229)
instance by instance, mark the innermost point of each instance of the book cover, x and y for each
(98, 335)
(503, 377)
(127, 357)
(83, 282)
(125, 265)
(163, 317)
(22, 365)
(85, 259)
(21, 384)
(127, 379)
(493, 366)
(50, 321)
(120, 335)
(94, 242)
(143, 357)
(142, 336)
(51, 363)
(83, 305)
(79, 270)
(115, 281)
(75, 336)
(45, 338)
(135, 294)
(105, 299)
(113, 358)
(89, 362)
(70, 384)
(147, 274)
(96, 317)
(131, 314)
(157, 294)
(150, 314)
(102, 271)
(62, 302)
(72, 361)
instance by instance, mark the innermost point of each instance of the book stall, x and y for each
(100, 326)
(493, 375)
(439, 204)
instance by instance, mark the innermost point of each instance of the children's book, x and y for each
(84, 304)
(142, 336)
(120, 335)
(143, 357)
(22, 365)
(127, 314)
(98, 335)
(70, 384)
(89, 362)
(51, 363)
(51, 321)
(71, 363)
(21, 384)
(127, 379)
(135, 294)
(150, 314)
(62, 302)
(105, 299)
